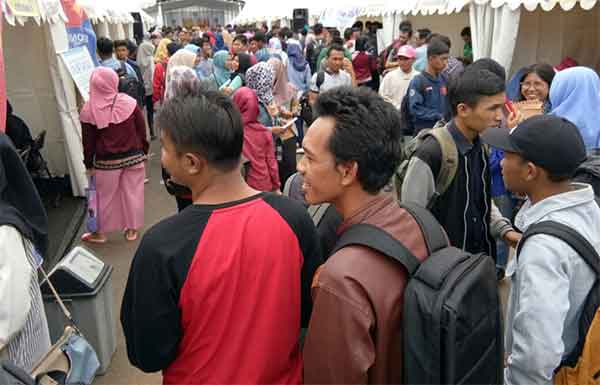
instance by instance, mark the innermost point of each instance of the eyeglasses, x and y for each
(536, 85)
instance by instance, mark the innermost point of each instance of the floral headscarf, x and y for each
(260, 78)
(183, 81)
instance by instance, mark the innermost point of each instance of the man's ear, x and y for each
(533, 172)
(462, 110)
(349, 172)
(193, 163)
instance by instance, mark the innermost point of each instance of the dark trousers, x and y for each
(150, 114)
(287, 165)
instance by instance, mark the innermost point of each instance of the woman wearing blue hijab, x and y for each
(220, 73)
(298, 68)
(575, 95)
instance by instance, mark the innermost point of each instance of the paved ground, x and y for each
(118, 253)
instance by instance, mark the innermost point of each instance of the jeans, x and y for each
(506, 206)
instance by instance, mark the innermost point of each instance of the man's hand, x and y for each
(90, 172)
(278, 130)
(514, 118)
(512, 238)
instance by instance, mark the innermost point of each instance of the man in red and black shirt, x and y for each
(218, 293)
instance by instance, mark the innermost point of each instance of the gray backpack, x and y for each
(449, 164)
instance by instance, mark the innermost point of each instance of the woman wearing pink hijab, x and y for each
(115, 148)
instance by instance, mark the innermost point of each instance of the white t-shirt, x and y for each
(330, 81)
(395, 85)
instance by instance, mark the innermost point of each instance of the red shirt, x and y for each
(218, 293)
(159, 83)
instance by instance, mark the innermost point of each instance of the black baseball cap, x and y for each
(548, 141)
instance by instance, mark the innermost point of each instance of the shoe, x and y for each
(131, 235)
(93, 238)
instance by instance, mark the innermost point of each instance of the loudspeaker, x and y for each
(138, 27)
(299, 18)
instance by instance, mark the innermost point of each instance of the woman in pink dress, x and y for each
(115, 148)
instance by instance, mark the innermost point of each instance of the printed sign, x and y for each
(24, 7)
(79, 28)
(80, 66)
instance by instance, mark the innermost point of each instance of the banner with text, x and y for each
(80, 66)
(79, 28)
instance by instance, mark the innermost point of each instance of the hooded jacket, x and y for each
(258, 148)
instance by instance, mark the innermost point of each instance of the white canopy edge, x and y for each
(260, 10)
(546, 5)
(51, 11)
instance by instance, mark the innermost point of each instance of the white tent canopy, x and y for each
(38, 84)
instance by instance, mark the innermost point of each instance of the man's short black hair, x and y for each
(259, 36)
(443, 38)
(472, 85)
(172, 48)
(366, 131)
(347, 33)
(241, 38)
(436, 47)
(206, 123)
(335, 47)
(121, 43)
(466, 31)
(424, 33)
(318, 28)
(105, 46)
(197, 41)
(491, 65)
(286, 33)
(406, 27)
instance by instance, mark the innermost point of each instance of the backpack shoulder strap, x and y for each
(435, 237)
(569, 235)
(449, 163)
(123, 68)
(377, 239)
(317, 212)
(288, 185)
(320, 79)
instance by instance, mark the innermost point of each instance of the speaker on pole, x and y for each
(299, 18)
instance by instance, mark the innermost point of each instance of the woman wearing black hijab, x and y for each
(24, 335)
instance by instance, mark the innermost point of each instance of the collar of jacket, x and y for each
(464, 146)
(530, 214)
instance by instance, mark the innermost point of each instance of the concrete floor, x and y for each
(119, 253)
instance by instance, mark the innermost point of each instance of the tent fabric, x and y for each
(546, 5)
(494, 32)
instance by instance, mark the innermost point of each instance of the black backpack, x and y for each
(129, 85)
(589, 172)
(306, 112)
(452, 330)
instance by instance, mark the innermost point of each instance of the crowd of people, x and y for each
(246, 285)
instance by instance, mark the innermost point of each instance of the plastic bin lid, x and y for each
(78, 273)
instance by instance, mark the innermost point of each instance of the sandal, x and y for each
(131, 235)
(93, 238)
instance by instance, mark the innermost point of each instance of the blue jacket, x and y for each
(498, 186)
(428, 101)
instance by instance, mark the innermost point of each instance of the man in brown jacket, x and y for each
(351, 152)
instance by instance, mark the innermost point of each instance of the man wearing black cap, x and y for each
(550, 281)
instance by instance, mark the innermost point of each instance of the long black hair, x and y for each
(543, 70)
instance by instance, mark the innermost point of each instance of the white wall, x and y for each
(550, 36)
(449, 25)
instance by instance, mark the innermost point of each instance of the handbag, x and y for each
(92, 206)
(70, 361)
